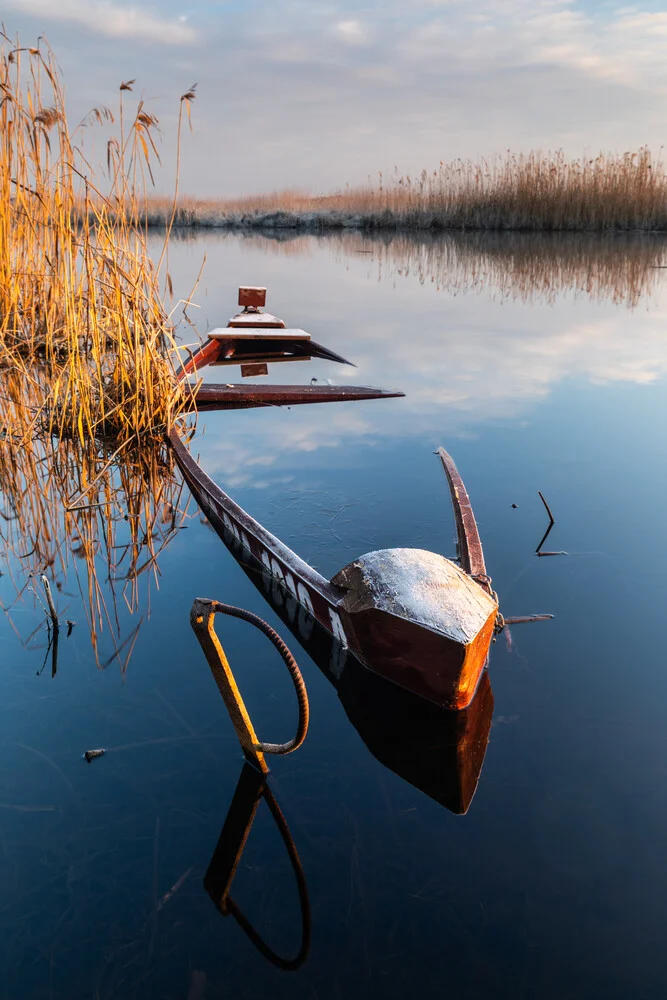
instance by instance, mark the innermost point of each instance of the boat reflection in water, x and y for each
(438, 751)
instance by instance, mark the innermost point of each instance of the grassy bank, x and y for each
(536, 192)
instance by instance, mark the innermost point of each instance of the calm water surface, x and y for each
(540, 366)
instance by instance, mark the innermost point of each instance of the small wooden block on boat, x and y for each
(253, 296)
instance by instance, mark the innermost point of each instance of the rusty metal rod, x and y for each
(202, 617)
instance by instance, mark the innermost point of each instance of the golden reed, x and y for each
(87, 348)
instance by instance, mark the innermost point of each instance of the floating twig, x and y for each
(27, 809)
(174, 889)
(548, 509)
(552, 521)
(522, 619)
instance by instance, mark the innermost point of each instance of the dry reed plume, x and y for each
(87, 348)
(536, 192)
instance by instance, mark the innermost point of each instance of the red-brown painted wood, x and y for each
(239, 397)
(471, 555)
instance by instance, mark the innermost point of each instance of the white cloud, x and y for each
(111, 19)
(351, 32)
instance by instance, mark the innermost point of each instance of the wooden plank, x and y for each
(239, 397)
(257, 333)
(206, 354)
(231, 346)
(471, 554)
(253, 319)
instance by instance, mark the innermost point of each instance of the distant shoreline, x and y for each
(309, 223)
(535, 192)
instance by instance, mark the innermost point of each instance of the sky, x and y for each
(312, 95)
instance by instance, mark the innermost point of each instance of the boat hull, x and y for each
(416, 655)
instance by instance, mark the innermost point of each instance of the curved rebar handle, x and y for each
(202, 619)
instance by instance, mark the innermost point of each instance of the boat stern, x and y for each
(417, 619)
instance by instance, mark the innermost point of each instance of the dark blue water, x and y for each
(553, 883)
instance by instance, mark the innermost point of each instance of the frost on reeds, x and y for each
(87, 349)
(543, 192)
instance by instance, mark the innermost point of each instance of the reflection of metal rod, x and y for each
(251, 788)
(202, 620)
(552, 520)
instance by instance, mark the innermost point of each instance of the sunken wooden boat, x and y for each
(416, 618)
(438, 751)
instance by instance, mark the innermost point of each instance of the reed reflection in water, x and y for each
(622, 268)
(81, 509)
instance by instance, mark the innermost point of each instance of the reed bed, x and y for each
(538, 192)
(79, 289)
(87, 348)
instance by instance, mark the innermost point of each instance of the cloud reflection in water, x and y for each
(472, 327)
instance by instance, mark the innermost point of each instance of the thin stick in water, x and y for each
(49, 601)
(548, 509)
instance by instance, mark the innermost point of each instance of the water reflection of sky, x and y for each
(463, 347)
(553, 885)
